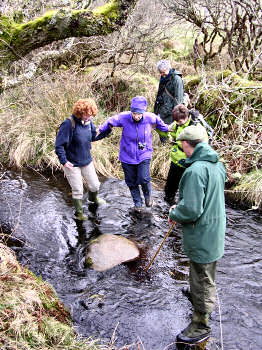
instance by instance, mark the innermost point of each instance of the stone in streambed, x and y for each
(109, 250)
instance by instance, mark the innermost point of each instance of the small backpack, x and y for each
(196, 118)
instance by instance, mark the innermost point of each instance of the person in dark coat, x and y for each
(201, 211)
(170, 91)
(73, 148)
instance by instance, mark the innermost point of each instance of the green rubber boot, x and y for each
(79, 210)
(197, 331)
(93, 197)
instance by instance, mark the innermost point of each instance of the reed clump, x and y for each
(249, 189)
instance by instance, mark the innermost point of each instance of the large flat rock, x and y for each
(109, 250)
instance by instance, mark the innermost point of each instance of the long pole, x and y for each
(163, 241)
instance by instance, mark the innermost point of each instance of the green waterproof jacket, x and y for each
(201, 207)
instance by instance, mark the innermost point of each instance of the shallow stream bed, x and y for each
(122, 302)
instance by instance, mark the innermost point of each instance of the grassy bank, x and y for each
(30, 116)
(248, 190)
(31, 315)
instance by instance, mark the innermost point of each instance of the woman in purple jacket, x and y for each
(136, 147)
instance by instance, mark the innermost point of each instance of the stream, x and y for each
(123, 305)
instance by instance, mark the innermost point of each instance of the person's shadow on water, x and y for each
(87, 231)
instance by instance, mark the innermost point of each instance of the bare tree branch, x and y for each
(17, 40)
(233, 25)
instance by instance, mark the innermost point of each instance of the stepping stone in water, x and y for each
(109, 250)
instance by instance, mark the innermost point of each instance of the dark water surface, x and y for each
(136, 308)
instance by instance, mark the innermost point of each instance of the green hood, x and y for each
(175, 72)
(201, 206)
(203, 152)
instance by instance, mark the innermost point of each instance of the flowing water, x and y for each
(124, 304)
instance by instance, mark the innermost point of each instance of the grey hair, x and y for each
(163, 65)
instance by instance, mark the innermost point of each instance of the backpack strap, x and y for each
(72, 122)
(173, 98)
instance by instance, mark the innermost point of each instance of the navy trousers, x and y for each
(135, 175)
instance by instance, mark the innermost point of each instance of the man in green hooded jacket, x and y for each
(201, 211)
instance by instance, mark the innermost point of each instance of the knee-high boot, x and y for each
(79, 209)
(93, 197)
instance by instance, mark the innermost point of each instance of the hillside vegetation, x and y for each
(223, 78)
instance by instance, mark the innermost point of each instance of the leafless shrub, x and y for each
(130, 47)
(233, 25)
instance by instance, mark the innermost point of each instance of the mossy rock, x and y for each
(116, 92)
(192, 83)
(240, 92)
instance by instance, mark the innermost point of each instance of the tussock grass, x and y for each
(160, 159)
(250, 189)
(105, 155)
(30, 116)
(31, 315)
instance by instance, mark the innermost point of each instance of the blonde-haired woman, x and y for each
(72, 146)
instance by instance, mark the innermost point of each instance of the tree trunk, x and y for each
(17, 40)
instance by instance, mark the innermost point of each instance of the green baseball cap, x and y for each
(192, 133)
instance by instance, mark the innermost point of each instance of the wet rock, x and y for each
(110, 250)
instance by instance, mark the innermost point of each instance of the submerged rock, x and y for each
(110, 250)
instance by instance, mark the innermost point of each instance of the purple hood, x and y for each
(134, 132)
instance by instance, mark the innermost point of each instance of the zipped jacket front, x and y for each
(134, 133)
(177, 153)
(170, 93)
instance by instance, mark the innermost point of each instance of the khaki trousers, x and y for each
(75, 177)
(202, 286)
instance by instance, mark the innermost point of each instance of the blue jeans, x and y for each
(135, 175)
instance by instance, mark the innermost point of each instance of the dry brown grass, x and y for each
(30, 116)
(249, 189)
